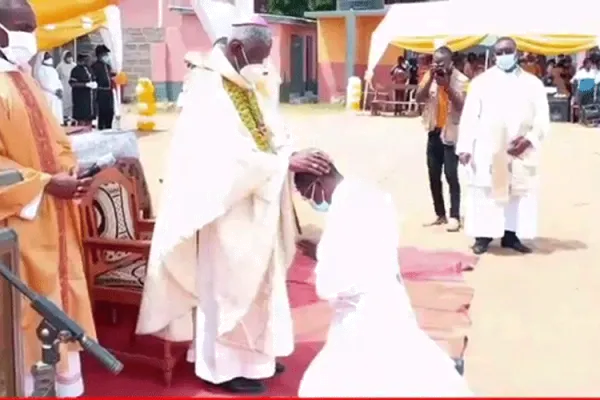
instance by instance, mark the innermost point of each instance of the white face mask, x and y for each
(106, 59)
(506, 62)
(22, 46)
(48, 62)
(254, 73)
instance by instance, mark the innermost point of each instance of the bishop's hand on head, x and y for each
(310, 160)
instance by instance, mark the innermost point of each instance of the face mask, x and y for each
(48, 62)
(253, 73)
(323, 206)
(506, 62)
(22, 46)
(69, 60)
(106, 59)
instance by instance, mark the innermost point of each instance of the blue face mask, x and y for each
(323, 206)
(506, 62)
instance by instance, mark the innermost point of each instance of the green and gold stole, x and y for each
(246, 104)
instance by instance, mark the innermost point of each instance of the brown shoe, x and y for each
(453, 225)
(437, 221)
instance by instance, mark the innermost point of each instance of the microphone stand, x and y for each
(56, 328)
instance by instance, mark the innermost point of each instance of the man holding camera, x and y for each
(443, 91)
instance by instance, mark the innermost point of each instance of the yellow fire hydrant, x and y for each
(146, 105)
(353, 93)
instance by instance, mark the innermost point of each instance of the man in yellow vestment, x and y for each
(225, 234)
(40, 208)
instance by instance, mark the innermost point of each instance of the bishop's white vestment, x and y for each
(225, 235)
(499, 107)
(375, 347)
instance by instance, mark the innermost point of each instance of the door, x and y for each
(309, 69)
(297, 65)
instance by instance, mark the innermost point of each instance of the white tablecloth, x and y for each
(93, 145)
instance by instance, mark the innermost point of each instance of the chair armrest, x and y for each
(130, 246)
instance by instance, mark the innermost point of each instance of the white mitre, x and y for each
(217, 17)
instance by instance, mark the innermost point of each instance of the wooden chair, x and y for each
(132, 168)
(378, 97)
(116, 256)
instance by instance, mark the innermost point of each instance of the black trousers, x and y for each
(106, 110)
(440, 157)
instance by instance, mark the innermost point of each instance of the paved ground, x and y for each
(536, 320)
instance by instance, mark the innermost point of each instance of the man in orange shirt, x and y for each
(443, 90)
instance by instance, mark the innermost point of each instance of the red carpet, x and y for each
(434, 282)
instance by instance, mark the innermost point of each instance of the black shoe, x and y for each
(481, 246)
(243, 385)
(516, 245)
(279, 368)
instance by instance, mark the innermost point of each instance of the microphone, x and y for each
(62, 323)
(105, 161)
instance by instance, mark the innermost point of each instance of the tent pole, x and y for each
(487, 58)
(350, 44)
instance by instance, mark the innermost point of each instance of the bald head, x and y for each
(443, 51)
(249, 44)
(17, 15)
(505, 45)
(442, 59)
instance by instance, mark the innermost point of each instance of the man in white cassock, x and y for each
(47, 77)
(504, 121)
(225, 233)
(375, 347)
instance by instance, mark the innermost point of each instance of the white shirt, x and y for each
(585, 74)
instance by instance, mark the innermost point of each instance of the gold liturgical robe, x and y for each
(32, 142)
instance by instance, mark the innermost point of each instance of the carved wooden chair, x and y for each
(132, 168)
(115, 254)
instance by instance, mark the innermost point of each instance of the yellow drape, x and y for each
(551, 45)
(55, 35)
(55, 11)
(426, 44)
(539, 44)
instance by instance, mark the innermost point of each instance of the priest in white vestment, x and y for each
(504, 122)
(64, 69)
(225, 233)
(375, 347)
(47, 77)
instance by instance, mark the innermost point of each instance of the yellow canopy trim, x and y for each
(426, 44)
(551, 45)
(50, 36)
(56, 11)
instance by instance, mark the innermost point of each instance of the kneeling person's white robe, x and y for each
(516, 104)
(375, 347)
(224, 236)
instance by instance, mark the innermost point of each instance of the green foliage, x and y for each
(297, 8)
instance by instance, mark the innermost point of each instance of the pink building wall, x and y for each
(159, 51)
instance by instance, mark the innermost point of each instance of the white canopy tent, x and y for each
(107, 21)
(464, 18)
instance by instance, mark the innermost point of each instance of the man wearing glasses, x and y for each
(505, 118)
